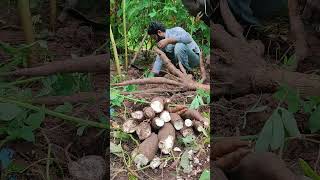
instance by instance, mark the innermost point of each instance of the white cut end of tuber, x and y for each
(166, 145)
(129, 126)
(165, 116)
(141, 160)
(178, 125)
(137, 115)
(159, 122)
(177, 149)
(157, 106)
(155, 162)
(188, 122)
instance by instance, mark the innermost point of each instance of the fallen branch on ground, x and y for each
(96, 63)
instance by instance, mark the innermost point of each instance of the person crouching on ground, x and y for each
(177, 44)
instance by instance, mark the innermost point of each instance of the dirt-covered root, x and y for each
(232, 24)
(96, 63)
(297, 29)
(175, 109)
(227, 146)
(263, 166)
(186, 131)
(149, 113)
(75, 98)
(167, 136)
(176, 121)
(143, 130)
(146, 151)
(194, 114)
(130, 126)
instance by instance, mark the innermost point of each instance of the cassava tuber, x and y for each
(167, 136)
(130, 126)
(149, 112)
(165, 116)
(143, 130)
(176, 121)
(146, 151)
(157, 123)
(138, 115)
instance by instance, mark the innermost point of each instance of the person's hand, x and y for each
(163, 43)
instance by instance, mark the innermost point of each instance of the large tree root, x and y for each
(96, 63)
(184, 81)
(248, 72)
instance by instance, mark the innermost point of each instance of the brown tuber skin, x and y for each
(197, 125)
(146, 151)
(149, 112)
(167, 136)
(176, 121)
(186, 131)
(130, 126)
(175, 109)
(143, 130)
(157, 123)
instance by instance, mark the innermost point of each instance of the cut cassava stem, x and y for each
(82, 64)
(115, 52)
(138, 115)
(130, 126)
(167, 136)
(157, 123)
(149, 112)
(56, 114)
(26, 23)
(53, 14)
(176, 121)
(146, 151)
(143, 130)
(125, 34)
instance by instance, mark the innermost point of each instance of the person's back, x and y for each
(178, 45)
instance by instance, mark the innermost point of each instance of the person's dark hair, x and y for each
(154, 27)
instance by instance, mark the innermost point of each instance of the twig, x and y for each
(139, 48)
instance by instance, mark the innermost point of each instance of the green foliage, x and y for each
(205, 175)
(198, 100)
(307, 170)
(65, 84)
(185, 163)
(65, 108)
(281, 124)
(116, 99)
(290, 96)
(141, 13)
(289, 62)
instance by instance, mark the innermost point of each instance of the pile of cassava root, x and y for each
(157, 126)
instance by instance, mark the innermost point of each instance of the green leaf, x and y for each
(195, 104)
(9, 111)
(130, 88)
(307, 170)
(189, 140)
(314, 121)
(265, 137)
(290, 123)
(34, 120)
(15, 168)
(24, 132)
(80, 130)
(205, 175)
(293, 101)
(121, 135)
(185, 162)
(277, 132)
(65, 108)
(116, 149)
